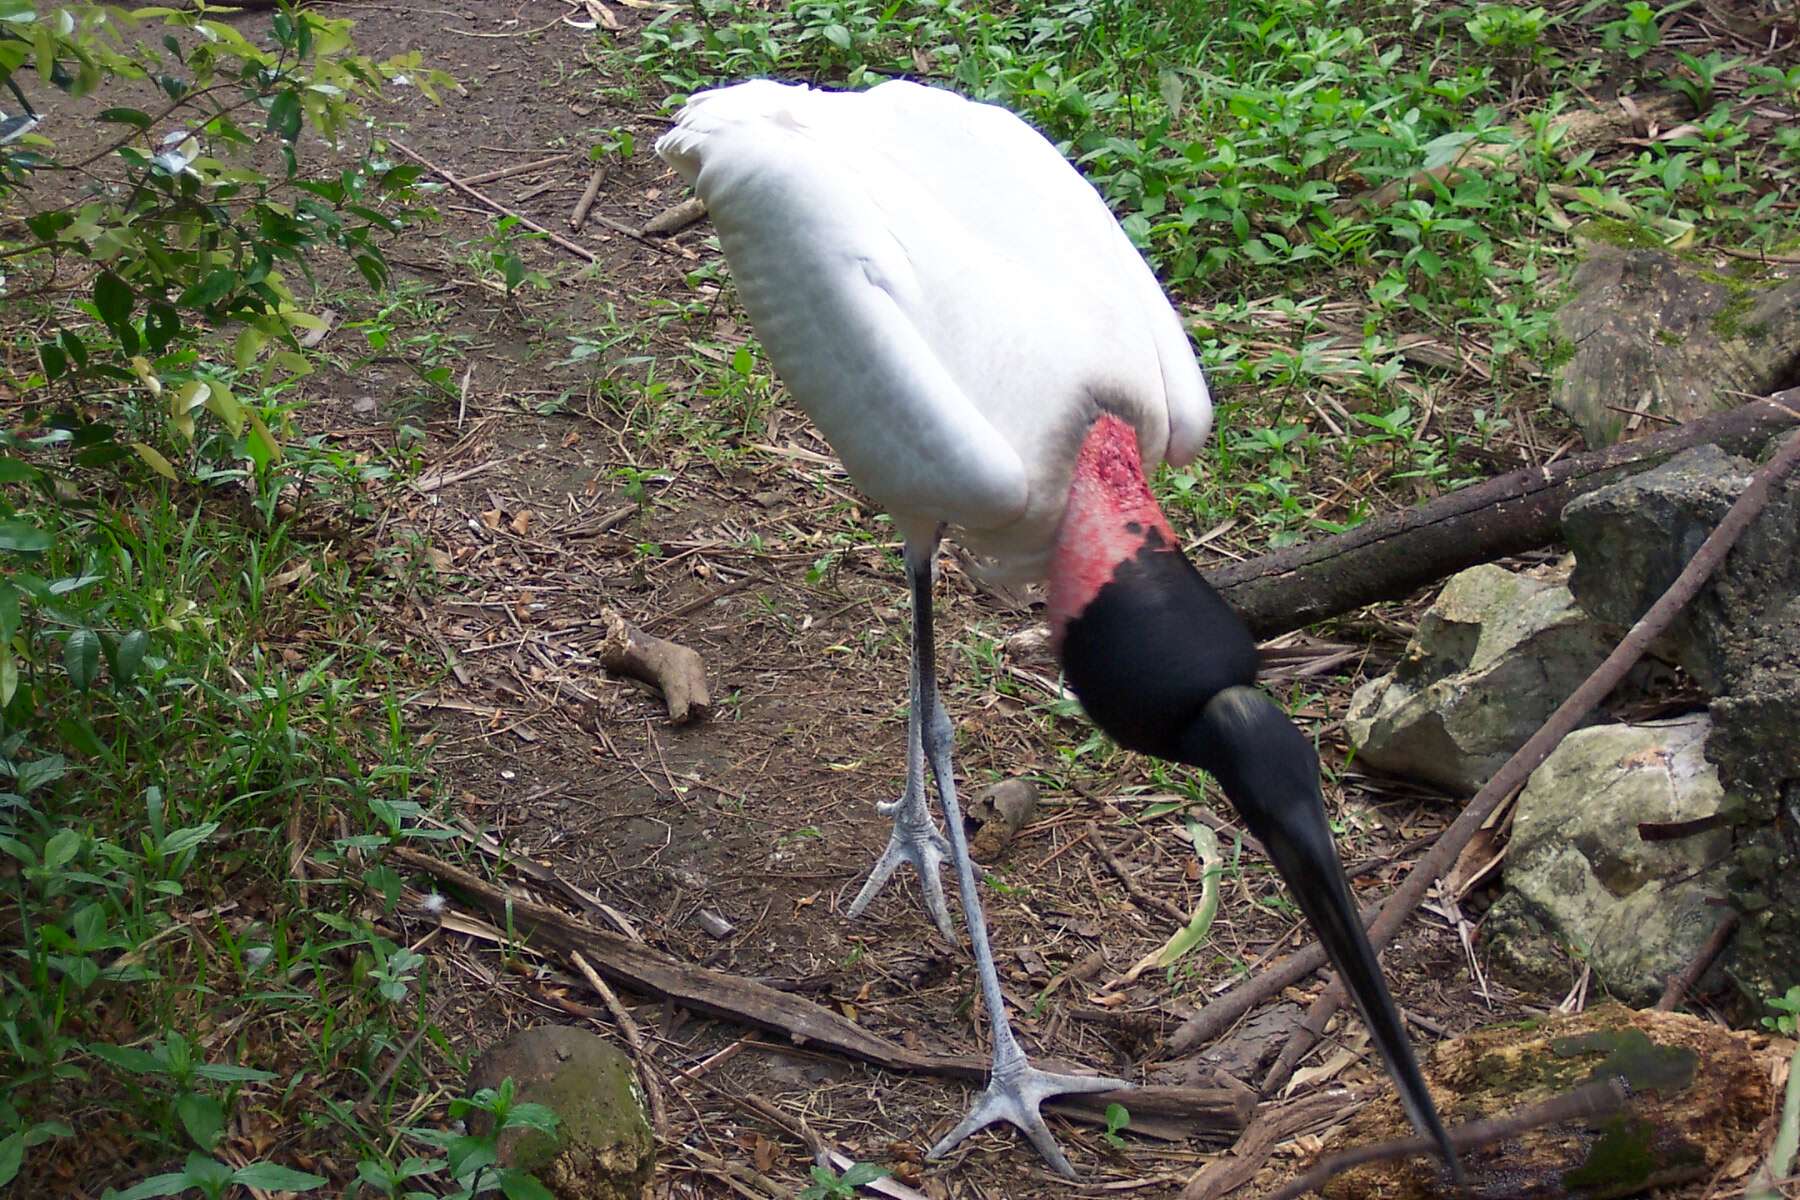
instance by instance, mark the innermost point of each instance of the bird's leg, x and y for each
(915, 839)
(1015, 1088)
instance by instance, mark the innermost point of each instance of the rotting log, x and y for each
(1212, 1112)
(1392, 555)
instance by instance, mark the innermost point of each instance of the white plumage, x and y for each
(945, 296)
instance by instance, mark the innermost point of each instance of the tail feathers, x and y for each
(709, 114)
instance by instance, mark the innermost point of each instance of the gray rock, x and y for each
(1576, 868)
(603, 1148)
(1492, 658)
(1673, 336)
(1632, 538)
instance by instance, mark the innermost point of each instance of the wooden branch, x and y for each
(1517, 769)
(746, 1002)
(1392, 555)
(674, 219)
(672, 669)
(589, 194)
(1682, 983)
(1597, 1099)
(516, 169)
(575, 248)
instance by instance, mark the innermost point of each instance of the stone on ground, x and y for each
(1672, 336)
(603, 1149)
(1492, 659)
(1578, 872)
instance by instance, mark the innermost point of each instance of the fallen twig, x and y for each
(1683, 983)
(651, 973)
(1271, 1128)
(1591, 1100)
(1133, 889)
(588, 194)
(673, 669)
(676, 217)
(574, 248)
(1512, 776)
(517, 169)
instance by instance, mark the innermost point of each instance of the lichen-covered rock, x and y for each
(603, 1148)
(1677, 337)
(1632, 538)
(1492, 658)
(1740, 639)
(1637, 911)
(1698, 1102)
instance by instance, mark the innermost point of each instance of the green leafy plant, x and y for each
(827, 1184)
(1118, 1119)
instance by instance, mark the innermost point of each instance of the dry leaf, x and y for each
(491, 518)
(521, 522)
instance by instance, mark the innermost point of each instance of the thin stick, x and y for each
(1133, 889)
(517, 169)
(1682, 983)
(588, 194)
(1512, 776)
(574, 248)
(659, 1114)
(1592, 1100)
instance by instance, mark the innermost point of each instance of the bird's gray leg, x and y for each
(1016, 1088)
(915, 839)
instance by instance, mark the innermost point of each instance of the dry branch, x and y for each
(516, 169)
(1513, 774)
(589, 194)
(1682, 983)
(1392, 555)
(677, 217)
(672, 669)
(651, 973)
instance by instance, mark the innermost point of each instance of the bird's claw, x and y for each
(917, 841)
(1014, 1095)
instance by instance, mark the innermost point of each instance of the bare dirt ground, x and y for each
(566, 487)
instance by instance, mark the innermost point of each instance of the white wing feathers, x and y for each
(940, 290)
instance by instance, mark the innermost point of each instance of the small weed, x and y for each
(829, 1185)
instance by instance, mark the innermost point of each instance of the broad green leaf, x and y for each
(520, 1185)
(81, 658)
(12, 1157)
(24, 537)
(14, 471)
(157, 1185)
(223, 405)
(226, 1073)
(203, 1117)
(274, 1177)
(61, 849)
(154, 460)
(112, 296)
(188, 397)
(126, 116)
(9, 675)
(127, 1058)
(189, 837)
(55, 361)
(34, 773)
(261, 445)
(140, 367)
(129, 656)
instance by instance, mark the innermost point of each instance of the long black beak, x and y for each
(1271, 775)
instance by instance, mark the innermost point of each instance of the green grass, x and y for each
(1232, 140)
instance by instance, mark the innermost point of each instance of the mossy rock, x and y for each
(1674, 335)
(603, 1148)
(1699, 1096)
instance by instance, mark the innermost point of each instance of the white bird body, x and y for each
(944, 295)
(981, 344)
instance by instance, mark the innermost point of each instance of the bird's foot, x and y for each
(917, 841)
(1013, 1094)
